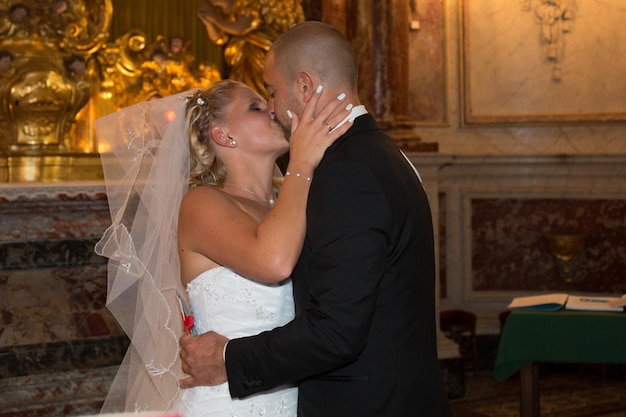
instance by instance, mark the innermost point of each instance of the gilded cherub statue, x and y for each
(133, 70)
(247, 28)
(47, 73)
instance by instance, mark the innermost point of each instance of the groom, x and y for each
(363, 342)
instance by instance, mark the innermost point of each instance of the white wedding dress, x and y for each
(234, 306)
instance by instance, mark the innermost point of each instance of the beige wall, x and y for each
(559, 170)
(571, 138)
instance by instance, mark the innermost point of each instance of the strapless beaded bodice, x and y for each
(234, 306)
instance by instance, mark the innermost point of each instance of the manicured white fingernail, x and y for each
(349, 106)
(319, 89)
(341, 96)
(289, 114)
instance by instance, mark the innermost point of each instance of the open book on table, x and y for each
(553, 302)
(593, 303)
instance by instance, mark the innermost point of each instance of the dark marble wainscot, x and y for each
(59, 346)
(497, 215)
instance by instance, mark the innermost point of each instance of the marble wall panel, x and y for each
(52, 291)
(52, 211)
(36, 309)
(52, 285)
(510, 251)
(66, 356)
(490, 213)
(75, 393)
(491, 217)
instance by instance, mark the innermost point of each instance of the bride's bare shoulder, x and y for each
(203, 193)
(222, 205)
(202, 198)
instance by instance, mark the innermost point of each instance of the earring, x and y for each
(233, 142)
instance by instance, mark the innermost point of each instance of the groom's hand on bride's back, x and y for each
(203, 359)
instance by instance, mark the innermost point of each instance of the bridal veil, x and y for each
(145, 158)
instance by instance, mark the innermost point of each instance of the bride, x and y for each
(192, 192)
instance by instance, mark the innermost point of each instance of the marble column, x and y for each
(379, 32)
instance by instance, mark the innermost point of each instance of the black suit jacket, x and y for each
(363, 342)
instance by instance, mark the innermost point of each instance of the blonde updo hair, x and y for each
(206, 108)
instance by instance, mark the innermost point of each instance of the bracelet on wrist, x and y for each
(297, 174)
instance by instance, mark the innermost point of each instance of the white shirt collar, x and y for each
(354, 113)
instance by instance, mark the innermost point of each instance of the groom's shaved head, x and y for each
(318, 49)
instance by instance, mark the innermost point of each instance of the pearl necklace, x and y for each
(269, 202)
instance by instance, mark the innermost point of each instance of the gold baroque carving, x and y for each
(47, 73)
(247, 28)
(59, 72)
(132, 70)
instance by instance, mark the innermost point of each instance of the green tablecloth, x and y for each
(563, 336)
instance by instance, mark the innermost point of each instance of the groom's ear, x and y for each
(305, 87)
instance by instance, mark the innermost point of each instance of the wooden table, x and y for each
(562, 336)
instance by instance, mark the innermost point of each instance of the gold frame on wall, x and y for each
(517, 68)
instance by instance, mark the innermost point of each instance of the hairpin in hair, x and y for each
(199, 100)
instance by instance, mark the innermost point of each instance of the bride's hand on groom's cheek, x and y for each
(203, 359)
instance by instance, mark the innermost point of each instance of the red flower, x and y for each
(188, 323)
